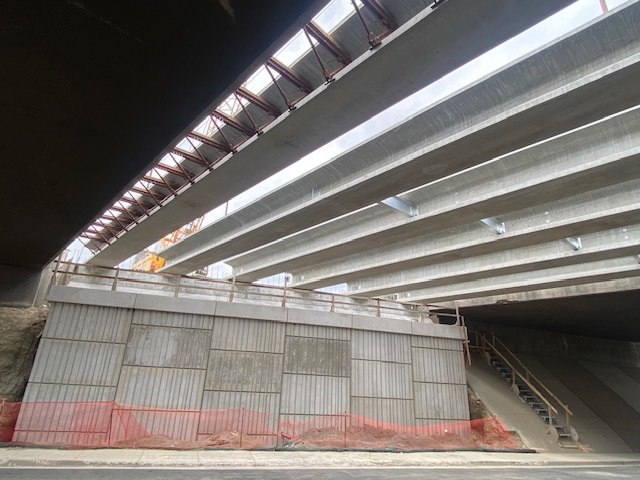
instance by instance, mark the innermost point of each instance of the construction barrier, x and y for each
(108, 424)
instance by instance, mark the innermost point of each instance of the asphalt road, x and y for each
(454, 473)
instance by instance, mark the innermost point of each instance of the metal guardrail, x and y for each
(488, 341)
(176, 285)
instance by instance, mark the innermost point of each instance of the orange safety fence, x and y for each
(109, 424)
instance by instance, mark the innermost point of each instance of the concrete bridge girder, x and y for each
(574, 86)
(371, 83)
(585, 273)
(608, 286)
(605, 209)
(604, 245)
(589, 158)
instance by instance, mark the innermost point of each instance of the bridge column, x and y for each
(23, 287)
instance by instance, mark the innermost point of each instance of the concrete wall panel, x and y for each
(317, 356)
(438, 401)
(173, 319)
(53, 392)
(381, 412)
(244, 371)
(366, 345)
(332, 333)
(88, 322)
(77, 363)
(168, 347)
(314, 395)
(223, 411)
(161, 387)
(381, 379)
(438, 343)
(248, 335)
(438, 366)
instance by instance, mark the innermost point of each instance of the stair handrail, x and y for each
(529, 373)
(515, 372)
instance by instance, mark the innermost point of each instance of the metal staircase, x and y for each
(529, 388)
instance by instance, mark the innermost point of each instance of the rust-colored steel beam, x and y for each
(209, 141)
(146, 193)
(145, 208)
(289, 74)
(108, 215)
(382, 13)
(258, 101)
(157, 181)
(189, 156)
(178, 172)
(233, 123)
(215, 121)
(327, 42)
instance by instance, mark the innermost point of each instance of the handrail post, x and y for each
(233, 285)
(333, 302)
(378, 309)
(115, 280)
(284, 292)
(177, 290)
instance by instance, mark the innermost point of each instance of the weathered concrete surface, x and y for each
(603, 154)
(466, 129)
(20, 330)
(605, 245)
(516, 416)
(146, 360)
(23, 287)
(375, 81)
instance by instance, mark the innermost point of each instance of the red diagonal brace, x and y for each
(189, 156)
(327, 42)
(258, 101)
(209, 141)
(289, 74)
(382, 13)
(233, 123)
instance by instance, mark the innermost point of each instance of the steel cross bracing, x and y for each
(379, 78)
(432, 138)
(231, 130)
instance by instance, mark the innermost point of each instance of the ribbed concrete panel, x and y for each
(88, 322)
(622, 384)
(313, 331)
(381, 411)
(161, 387)
(314, 395)
(390, 347)
(380, 379)
(438, 366)
(248, 335)
(438, 343)
(440, 401)
(172, 319)
(223, 411)
(77, 363)
(168, 347)
(64, 417)
(244, 371)
(317, 356)
(51, 392)
(139, 423)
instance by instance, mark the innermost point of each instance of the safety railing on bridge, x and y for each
(123, 280)
(488, 342)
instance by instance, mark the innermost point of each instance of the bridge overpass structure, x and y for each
(522, 187)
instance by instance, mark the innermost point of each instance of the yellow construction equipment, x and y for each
(152, 261)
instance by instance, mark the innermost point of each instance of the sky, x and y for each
(546, 31)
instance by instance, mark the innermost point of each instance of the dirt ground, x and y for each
(20, 330)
